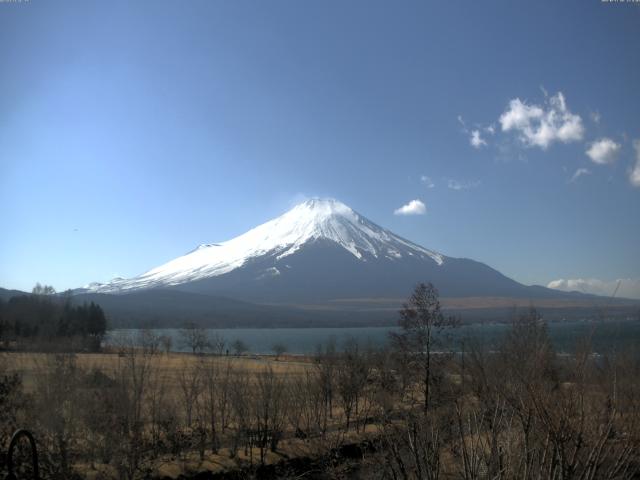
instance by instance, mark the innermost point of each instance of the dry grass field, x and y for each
(175, 377)
(511, 413)
(29, 364)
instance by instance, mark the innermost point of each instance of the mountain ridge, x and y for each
(321, 250)
(312, 220)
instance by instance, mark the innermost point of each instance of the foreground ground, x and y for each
(177, 370)
(515, 411)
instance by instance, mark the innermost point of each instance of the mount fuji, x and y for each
(320, 251)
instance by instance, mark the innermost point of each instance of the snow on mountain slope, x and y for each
(316, 219)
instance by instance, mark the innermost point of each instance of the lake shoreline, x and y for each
(605, 336)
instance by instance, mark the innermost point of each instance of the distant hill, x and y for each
(7, 294)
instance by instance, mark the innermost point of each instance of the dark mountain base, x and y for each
(322, 270)
(162, 308)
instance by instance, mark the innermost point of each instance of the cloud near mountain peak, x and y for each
(628, 287)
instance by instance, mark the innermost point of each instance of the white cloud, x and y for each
(476, 140)
(475, 136)
(542, 125)
(414, 207)
(595, 117)
(458, 185)
(603, 151)
(634, 175)
(580, 172)
(629, 287)
(427, 181)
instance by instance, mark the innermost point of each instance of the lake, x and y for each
(607, 336)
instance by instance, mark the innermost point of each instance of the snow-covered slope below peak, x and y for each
(315, 219)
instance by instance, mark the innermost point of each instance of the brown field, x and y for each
(138, 413)
(29, 365)
(35, 370)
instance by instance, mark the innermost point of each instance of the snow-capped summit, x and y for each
(319, 252)
(314, 221)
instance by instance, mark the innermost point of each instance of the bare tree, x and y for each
(535, 415)
(269, 411)
(307, 410)
(420, 320)
(100, 400)
(239, 396)
(132, 376)
(325, 361)
(194, 338)
(218, 343)
(278, 349)
(13, 402)
(352, 376)
(166, 341)
(387, 391)
(411, 448)
(149, 341)
(56, 403)
(239, 347)
(216, 380)
(157, 404)
(190, 384)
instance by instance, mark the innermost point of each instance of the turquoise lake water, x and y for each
(606, 336)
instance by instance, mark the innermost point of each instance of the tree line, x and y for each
(48, 320)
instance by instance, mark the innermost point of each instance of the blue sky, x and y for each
(132, 131)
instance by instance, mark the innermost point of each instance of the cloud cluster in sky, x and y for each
(629, 287)
(427, 182)
(414, 207)
(459, 185)
(603, 151)
(476, 140)
(451, 183)
(542, 125)
(475, 135)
